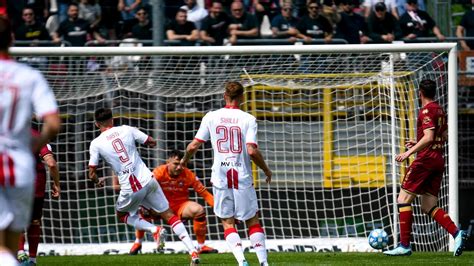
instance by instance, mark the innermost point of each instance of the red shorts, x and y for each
(423, 177)
(37, 208)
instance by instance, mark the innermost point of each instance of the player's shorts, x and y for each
(15, 207)
(422, 178)
(151, 196)
(238, 203)
(38, 204)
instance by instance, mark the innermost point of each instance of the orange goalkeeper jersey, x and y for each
(177, 189)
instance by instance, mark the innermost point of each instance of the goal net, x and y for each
(331, 119)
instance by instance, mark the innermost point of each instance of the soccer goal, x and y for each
(331, 118)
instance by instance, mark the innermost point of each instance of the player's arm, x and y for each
(426, 140)
(99, 182)
(150, 142)
(191, 149)
(54, 173)
(257, 158)
(202, 191)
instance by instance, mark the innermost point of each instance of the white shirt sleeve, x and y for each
(139, 136)
(251, 134)
(203, 132)
(43, 98)
(94, 155)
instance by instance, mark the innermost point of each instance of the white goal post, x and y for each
(331, 120)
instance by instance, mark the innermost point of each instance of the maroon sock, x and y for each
(21, 243)
(441, 217)
(406, 220)
(34, 233)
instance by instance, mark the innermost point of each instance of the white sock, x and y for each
(257, 238)
(235, 244)
(182, 233)
(138, 240)
(7, 259)
(140, 224)
(33, 260)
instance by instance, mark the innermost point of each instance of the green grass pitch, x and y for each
(281, 258)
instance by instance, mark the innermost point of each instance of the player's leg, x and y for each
(429, 206)
(224, 208)
(34, 230)
(15, 209)
(140, 234)
(21, 254)
(405, 214)
(193, 210)
(157, 202)
(246, 209)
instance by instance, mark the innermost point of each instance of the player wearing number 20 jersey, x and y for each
(233, 134)
(230, 130)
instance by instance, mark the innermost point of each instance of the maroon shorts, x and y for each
(37, 208)
(423, 177)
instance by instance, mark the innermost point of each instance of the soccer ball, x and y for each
(378, 239)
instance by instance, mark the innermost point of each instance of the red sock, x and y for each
(441, 217)
(21, 242)
(406, 220)
(34, 233)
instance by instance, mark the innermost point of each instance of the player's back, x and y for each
(432, 116)
(230, 129)
(117, 146)
(23, 90)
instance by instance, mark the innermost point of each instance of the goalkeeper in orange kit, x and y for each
(175, 182)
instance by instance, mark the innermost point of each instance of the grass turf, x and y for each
(281, 258)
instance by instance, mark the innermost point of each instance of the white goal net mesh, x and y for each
(325, 129)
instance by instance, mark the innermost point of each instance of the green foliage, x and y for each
(281, 258)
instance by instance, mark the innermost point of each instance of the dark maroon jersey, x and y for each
(40, 182)
(431, 116)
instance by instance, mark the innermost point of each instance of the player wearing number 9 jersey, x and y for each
(116, 145)
(233, 134)
(23, 91)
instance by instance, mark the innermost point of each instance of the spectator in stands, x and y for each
(329, 11)
(401, 6)
(284, 25)
(382, 25)
(40, 8)
(466, 29)
(143, 29)
(417, 23)
(110, 17)
(182, 30)
(214, 26)
(242, 24)
(352, 26)
(313, 25)
(267, 8)
(369, 7)
(196, 13)
(31, 30)
(128, 9)
(300, 8)
(63, 6)
(74, 29)
(91, 12)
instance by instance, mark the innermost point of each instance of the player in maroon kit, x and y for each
(425, 173)
(44, 158)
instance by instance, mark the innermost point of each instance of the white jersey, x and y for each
(229, 129)
(23, 92)
(117, 147)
